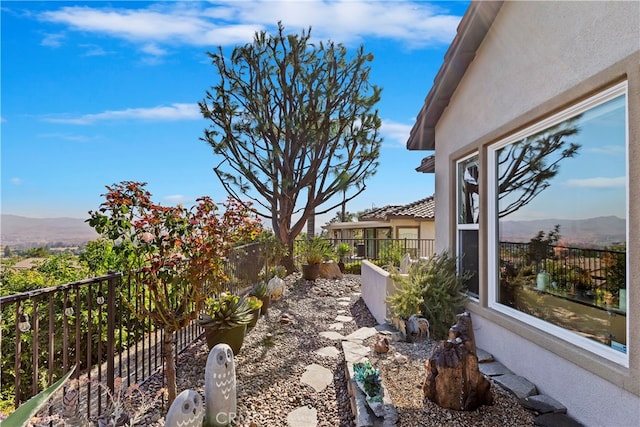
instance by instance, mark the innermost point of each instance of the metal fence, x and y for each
(92, 324)
(381, 249)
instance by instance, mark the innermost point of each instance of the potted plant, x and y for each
(314, 250)
(255, 304)
(342, 250)
(261, 291)
(225, 319)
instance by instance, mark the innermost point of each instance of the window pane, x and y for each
(468, 198)
(561, 212)
(468, 258)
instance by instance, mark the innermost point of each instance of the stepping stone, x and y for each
(361, 334)
(303, 417)
(336, 326)
(344, 303)
(343, 318)
(332, 335)
(492, 369)
(519, 386)
(484, 356)
(328, 351)
(354, 351)
(342, 311)
(317, 377)
(356, 294)
(543, 404)
(344, 299)
(555, 420)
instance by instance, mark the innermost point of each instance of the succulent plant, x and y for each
(260, 290)
(253, 301)
(225, 312)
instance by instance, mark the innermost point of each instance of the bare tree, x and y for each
(525, 168)
(294, 123)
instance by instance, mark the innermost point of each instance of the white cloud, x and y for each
(52, 40)
(608, 150)
(16, 181)
(176, 199)
(174, 112)
(67, 137)
(598, 182)
(416, 24)
(94, 50)
(397, 133)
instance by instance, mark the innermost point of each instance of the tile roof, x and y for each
(421, 209)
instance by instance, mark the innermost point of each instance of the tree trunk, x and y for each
(170, 365)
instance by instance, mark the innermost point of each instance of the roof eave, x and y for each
(471, 32)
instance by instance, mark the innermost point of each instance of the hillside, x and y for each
(591, 232)
(22, 232)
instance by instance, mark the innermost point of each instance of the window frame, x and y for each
(466, 226)
(573, 338)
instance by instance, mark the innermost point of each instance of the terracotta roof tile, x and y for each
(421, 209)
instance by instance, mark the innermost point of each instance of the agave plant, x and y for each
(260, 290)
(225, 312)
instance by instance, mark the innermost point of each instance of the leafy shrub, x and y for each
(432, 289)
(353, 268)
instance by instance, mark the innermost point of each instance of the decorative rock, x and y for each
(332, 335)
(187, 410)
(453, 379)
(336, 326)
(328, 352)
(303, 417)
(348, 299)
(417, 328)
(353, 352)
(275, 288)
(400, 359)
(220, 386)
(381, 345)
(286, 318)
(361, 334)
(484, 356)
(344, 318)
(330, 270)
(519, 386)
(317, 377)
(492, 369)
(555, 420)
(543, 404)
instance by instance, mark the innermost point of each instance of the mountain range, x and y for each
(22, 232)
(592, 232)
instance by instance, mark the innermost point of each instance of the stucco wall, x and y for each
(538, 58)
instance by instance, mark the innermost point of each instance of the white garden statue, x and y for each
(219, 409)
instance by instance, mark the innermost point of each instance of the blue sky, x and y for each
(94, 93)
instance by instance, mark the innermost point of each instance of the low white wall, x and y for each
(589, 399)
(377, 285)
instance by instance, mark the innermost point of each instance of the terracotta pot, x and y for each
(254, 319)
(234, 337)
(266, 302)
(310, 271)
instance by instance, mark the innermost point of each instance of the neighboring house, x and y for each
(534, 118)
(413, 222)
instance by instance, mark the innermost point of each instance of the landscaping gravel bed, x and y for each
(275, 354)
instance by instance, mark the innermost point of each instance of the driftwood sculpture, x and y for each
(453, 379)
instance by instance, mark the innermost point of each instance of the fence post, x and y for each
(111, 325)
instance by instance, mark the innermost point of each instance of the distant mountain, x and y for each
(22, 232)
(591, 232)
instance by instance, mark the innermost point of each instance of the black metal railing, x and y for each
(381, 249)
(95, 325)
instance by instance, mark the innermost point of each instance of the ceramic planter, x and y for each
(233, 337)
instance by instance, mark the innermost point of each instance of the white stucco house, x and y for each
(534, 121)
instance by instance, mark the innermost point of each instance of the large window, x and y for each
(468, 213)
(559, 207)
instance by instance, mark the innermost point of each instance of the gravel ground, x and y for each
(275, 354)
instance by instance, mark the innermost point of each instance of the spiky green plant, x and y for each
(432, 289)
(369, 377)
(225, 312)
